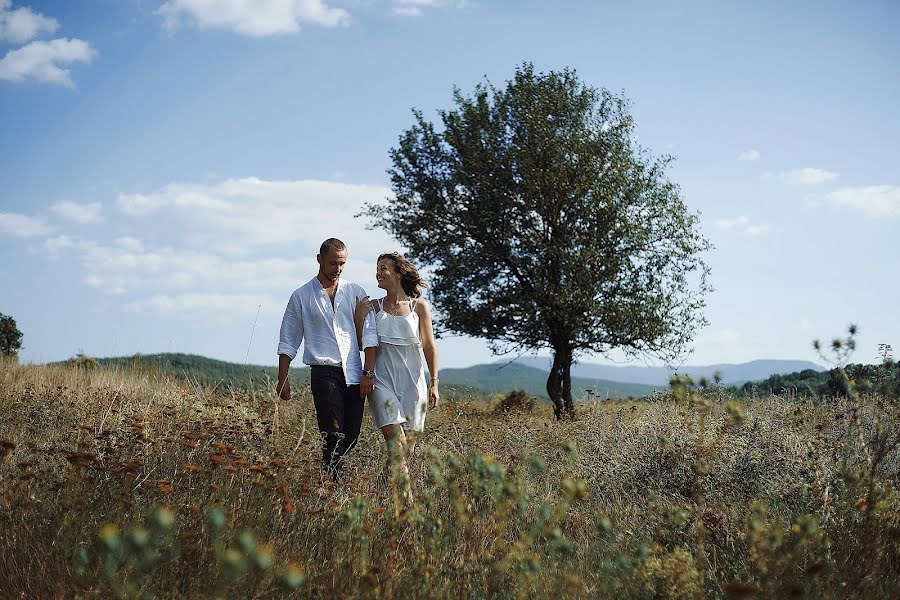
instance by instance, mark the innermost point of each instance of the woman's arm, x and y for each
(426, 334)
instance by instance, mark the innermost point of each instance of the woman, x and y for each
(401, 398)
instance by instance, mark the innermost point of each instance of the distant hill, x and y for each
(478, 380)
(202, 371)
(883, 377)
(732, 374)
(500, 377)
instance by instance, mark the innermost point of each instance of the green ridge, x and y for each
(480, 380)
(498, 377)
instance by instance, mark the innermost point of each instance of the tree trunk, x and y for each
(559, 383)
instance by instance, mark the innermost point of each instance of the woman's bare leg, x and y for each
(410, 443)
(396, 442)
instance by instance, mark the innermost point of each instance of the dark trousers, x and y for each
(339, 411)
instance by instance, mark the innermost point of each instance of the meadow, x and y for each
(123, 483)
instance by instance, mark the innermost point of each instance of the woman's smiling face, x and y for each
(386, 274)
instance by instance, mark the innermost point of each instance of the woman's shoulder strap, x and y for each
(417, 301)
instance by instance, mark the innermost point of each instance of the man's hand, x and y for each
(363, 307)
(284, 391)
(366, 386)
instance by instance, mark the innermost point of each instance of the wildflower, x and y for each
(109, 537)
(191, 468)
(216, 518)
(80, 459)
(234, 563)
(139, 537)
(292, 577)
(247, 541)
(6, 449)
(162, 518)
(262, 558)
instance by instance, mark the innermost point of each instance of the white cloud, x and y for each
(79, 213)
(255, 18)
(117, 269)
(22, 225)
(129, 243)
(742, 224)
(811, 201)
(754, 230)
(806, 176)
(876, 200)
(44, 61)
(416, 8)
(21, 24)
(749, 155)
(237, 216)
(209, 304)
(412, 8)
(235, 238)
(735, 222)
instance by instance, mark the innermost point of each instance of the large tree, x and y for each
(10, 336)
(547, 225)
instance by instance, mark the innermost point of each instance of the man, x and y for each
(320, 314)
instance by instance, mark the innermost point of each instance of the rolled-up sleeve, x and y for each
(291, 327)
(369, 336)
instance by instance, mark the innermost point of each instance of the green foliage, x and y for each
(10, 336)
(843, 380)
(826, 383)
(124, 563)
(536, 206)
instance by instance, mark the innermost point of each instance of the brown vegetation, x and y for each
(119, 484)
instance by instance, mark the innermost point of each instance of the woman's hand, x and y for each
(434, 396)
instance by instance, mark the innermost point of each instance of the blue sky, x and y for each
(168, 168)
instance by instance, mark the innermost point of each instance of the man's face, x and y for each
(331, 265)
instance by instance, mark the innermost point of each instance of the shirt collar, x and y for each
(342, 283)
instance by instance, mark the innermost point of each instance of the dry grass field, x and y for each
(118, 484)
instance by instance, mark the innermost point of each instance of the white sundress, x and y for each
(401, 395)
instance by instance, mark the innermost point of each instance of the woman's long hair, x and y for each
(410, 280)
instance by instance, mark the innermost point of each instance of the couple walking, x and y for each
(335, 320)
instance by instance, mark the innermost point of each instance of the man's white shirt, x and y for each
(328, 332)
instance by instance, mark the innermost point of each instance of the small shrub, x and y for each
(671, 575)
(517, 401)
(83, 361)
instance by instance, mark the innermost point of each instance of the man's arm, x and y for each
(367, 337)
(289, 340)
(360, 313)
(367, 384)
(284, 384)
